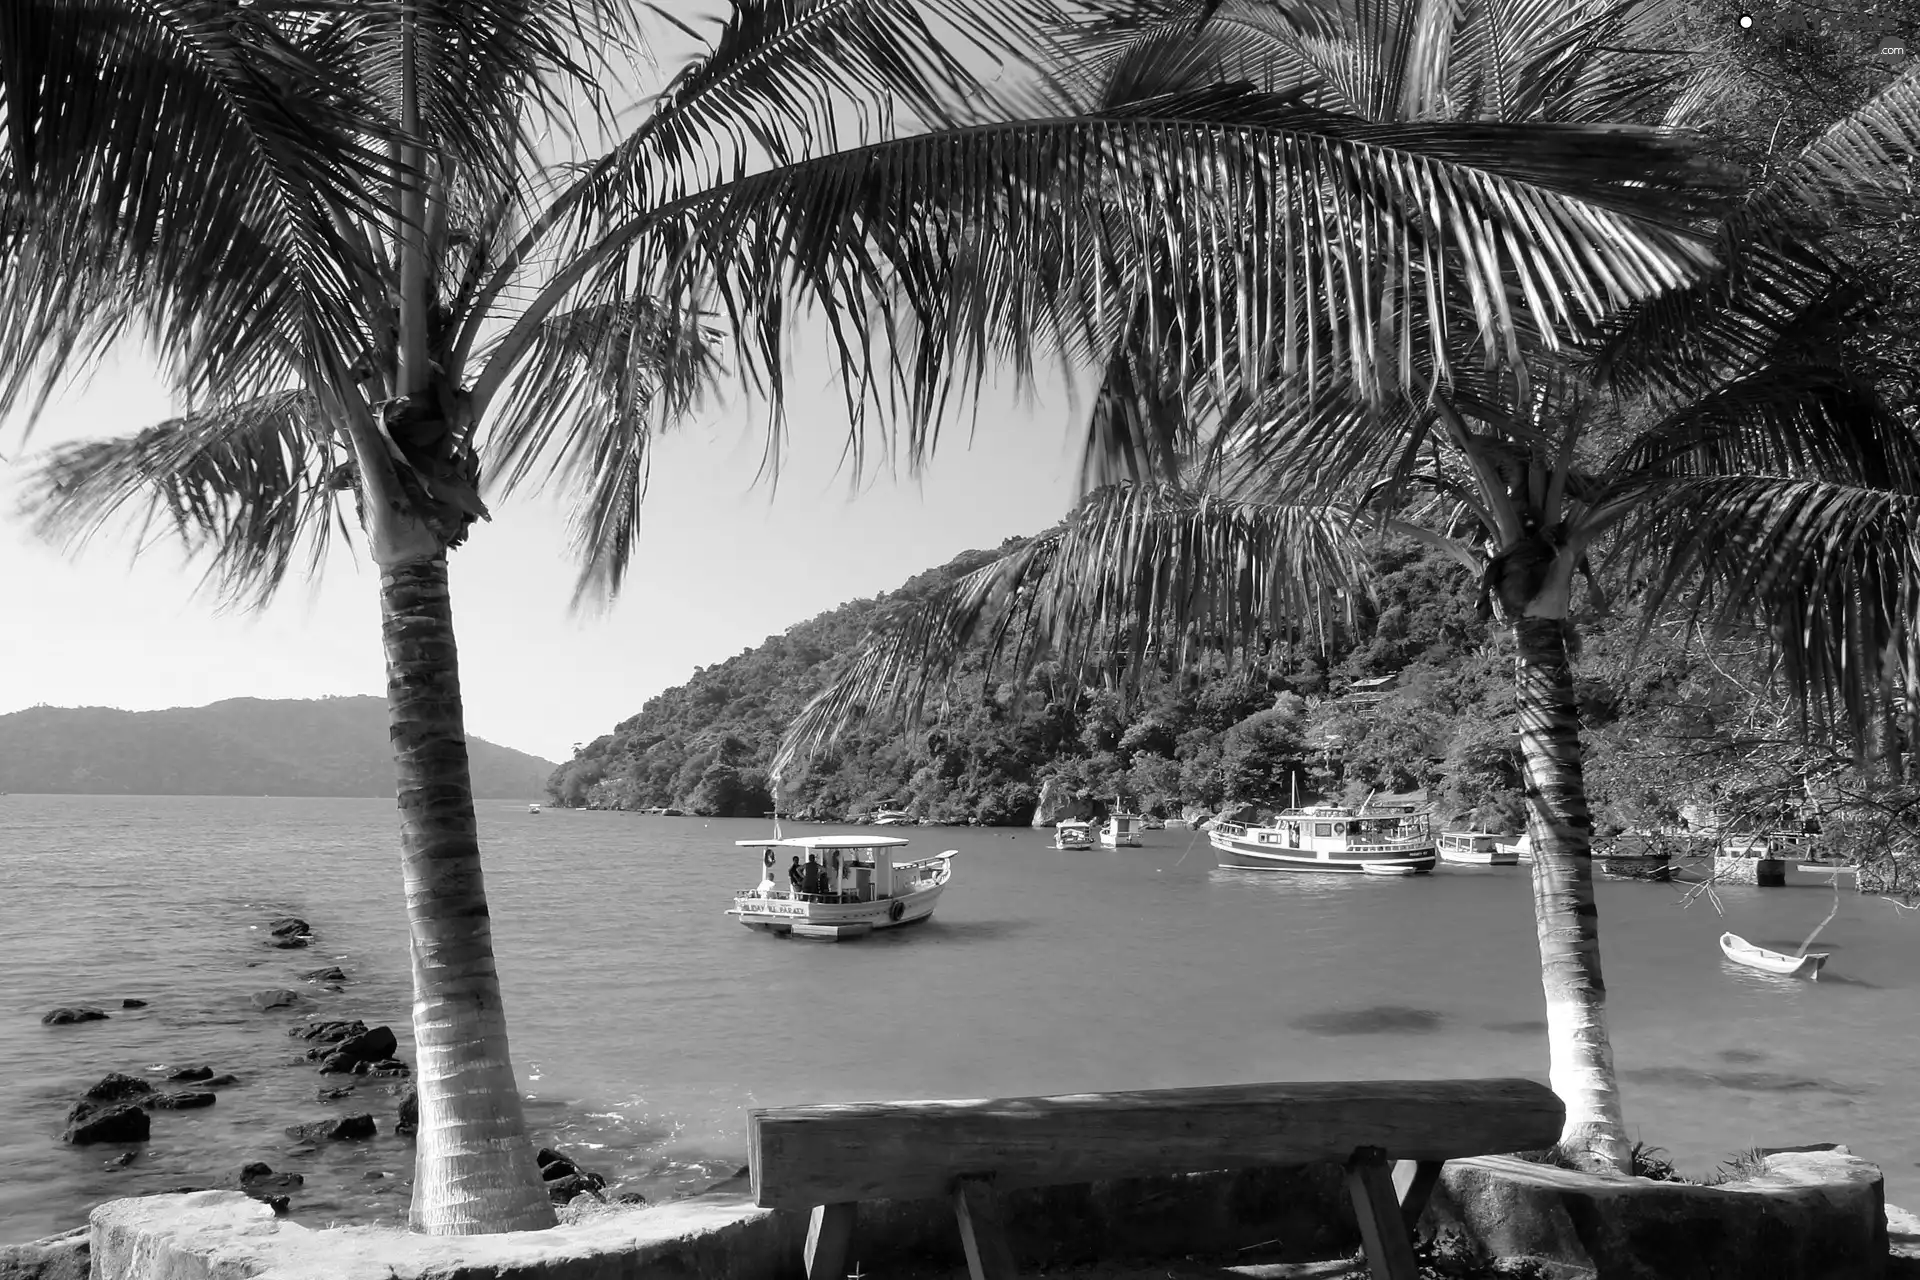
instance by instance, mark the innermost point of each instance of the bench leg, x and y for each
(1415, 1181)
(827, 1235)
(1382, 1231)
(982, 1231)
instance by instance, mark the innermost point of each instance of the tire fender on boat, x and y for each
(769, 858)
(1339, 828)
(897, 910)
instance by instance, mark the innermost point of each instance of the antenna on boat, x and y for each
(1294, 776)
(774, 778)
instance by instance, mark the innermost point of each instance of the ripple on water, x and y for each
(1379, 1019)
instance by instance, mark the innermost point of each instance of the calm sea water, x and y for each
(645, 1022)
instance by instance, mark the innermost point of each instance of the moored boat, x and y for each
(1476, 848)
(848, 886)
(1121, 831)
(1740, 951)
(1389, 869)
(533, 808)
(1073, 834)
(1329, 837)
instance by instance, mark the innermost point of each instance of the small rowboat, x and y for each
(1389, 869)
(1740, 951)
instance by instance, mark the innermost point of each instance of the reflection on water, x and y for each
(645, 1022)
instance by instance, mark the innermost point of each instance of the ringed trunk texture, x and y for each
(474, 1170)
(1559, 826)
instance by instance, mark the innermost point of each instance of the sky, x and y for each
(724, 562)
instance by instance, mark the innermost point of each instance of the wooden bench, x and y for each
(827, 1158)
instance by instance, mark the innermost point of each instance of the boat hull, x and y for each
(834, 921)
(1505, 856)
(1271, 859)
(1740, 951)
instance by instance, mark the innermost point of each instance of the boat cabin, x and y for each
(1337, 831)
(840, 869)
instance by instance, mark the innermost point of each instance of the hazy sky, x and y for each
(723, 564)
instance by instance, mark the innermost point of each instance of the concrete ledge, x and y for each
(1813, 1215)
(1287, 1213)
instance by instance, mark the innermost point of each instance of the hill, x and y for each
(242, 746)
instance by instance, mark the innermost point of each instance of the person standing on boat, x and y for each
(812, 881)
(796, 876)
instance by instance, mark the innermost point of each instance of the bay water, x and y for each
(645, 1022)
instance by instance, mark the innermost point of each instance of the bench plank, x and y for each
(827, 1233)
(826, 1154)
(983, 1232)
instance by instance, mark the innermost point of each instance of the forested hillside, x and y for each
(1412, 692)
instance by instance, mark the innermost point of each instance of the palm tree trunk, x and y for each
(1580, 1056)
(474, 1169)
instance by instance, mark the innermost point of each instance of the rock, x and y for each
(288, 944)
(370, 1046)
(276, 1203)
(302, 1150)
(385, 1067)
(409, 1121)
(331, 973)
(372, 1175)
(630, 1197)
(278, 998)
(259, 1175)
(288, 927)
(71, 1013)
(117, 1087)
(337, 1064)
(344, 1129)
(187, 1074)
(333, 987)
(67, 1256)
(184, 1100)
(328, 1032)
(561, 1190)
(1901, 1224)
(131, 1003)
(1056, 805)
(220, 1080)
(113, 1122)
(334, 1095)
(556, 1167)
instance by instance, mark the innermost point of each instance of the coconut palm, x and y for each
(1716, 439)
(832, 154)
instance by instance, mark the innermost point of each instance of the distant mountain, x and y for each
(239, 747)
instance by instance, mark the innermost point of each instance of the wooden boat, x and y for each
(863, 887)
(1073, 834)
(1121, 831)
(1740, 951)
(1388, 869)
(1476, 848)
(1329, 837)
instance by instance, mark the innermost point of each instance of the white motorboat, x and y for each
(1073, 834)
(1330, 837)
(533, 808)
(884, 817)
(1740, 951)
(848, 886)
(1476, 848)
(1389, 869)
(1121, 831)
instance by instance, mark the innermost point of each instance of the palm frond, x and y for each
(1829, 573)
(1136, 569)
(1302, 232)
(583, 407)
(251, 487)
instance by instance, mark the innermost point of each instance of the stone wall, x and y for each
(1767, 872)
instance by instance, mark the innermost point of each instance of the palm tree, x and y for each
(474, 304)
(1716, 439)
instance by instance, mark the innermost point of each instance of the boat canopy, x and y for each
(824, 842)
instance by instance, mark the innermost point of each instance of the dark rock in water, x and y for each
(334, 987)
(336, 1064)
(117, 1086)
(330, 1032)
(561, 1190)
(385, 1067)
(555, 1166)
(131, 1003)
(276, 1203)
(334, 1095)
(120, 1161)
(630, 1197)
(278, 998)
(185, 1100)
(71, 1013)
(345, 1129)
(409, 1121)
(287, 926)
(371, 1046)
(331, 973)
(302, 1150)
(188, 1074)
(372, 1175)
(288, 944)
(215, 1082)
(67, 1256)
(259, 1175)
(111, 1122)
